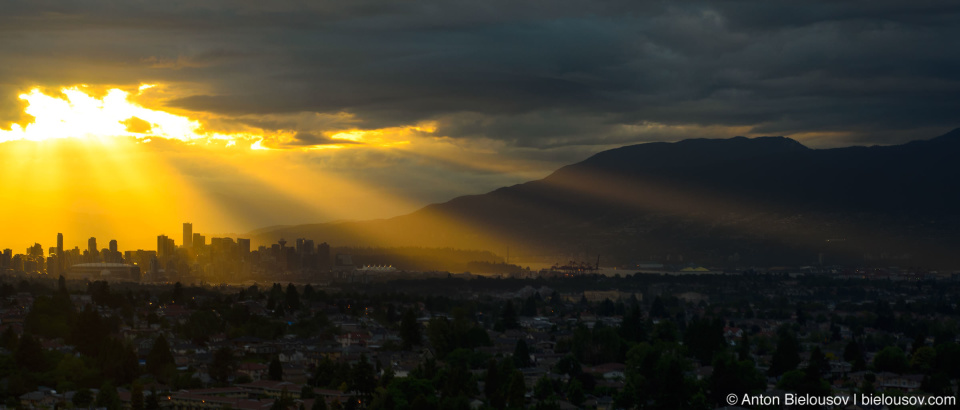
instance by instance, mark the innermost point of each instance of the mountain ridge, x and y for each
(649, 201)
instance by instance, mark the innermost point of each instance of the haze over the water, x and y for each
(121, 121)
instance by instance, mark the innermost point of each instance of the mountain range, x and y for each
(737, 202)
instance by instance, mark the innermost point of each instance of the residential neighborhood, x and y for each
(666, 341)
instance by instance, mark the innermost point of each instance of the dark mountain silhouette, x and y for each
(738, 201)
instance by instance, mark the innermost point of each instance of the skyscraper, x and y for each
(282, 254)
(92, 245)
(165, 247)
(113, 245)
(187, 235)
(244, 245)
(60, 256)
(199, 240)
(323, 256)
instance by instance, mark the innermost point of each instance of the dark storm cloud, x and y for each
(531, 73)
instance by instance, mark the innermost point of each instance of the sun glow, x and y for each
(80, 115)
(77, 113)
(109, 161)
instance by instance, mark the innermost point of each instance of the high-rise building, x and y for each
(60, 256)
(282, 254)
(323, 256)
(165, 247)
(187, 235)
(199, 240)
(92, 245)
(244, 245)
(7, 258)
(113, 246)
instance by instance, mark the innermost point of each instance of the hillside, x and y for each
(767, 200)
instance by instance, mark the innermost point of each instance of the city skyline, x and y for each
(113, 245)
(222, 260)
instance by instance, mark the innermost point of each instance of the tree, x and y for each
(509, 317)
(223, 364)
(83, 398)
(29, 355)
(923, 359)
(177, 293)
(665, 331)
(948, 359)
(108, 397)
(160, 361)
(491, 386)
(812, 382)
(852, 351)
(521, 355)
(88, 332)
(9, 339)
(308, 293)
(631, 329)
(319, 404)
(201, 325)
(410, 330)
(938, 384)
(326, 373)
(275, 370)
(152, 402)
(743, 349)
(516, 390)
(658, 309)
(362, 378)
(891, 359)
(787, 355)
(292, 298)
(543, 389)
(703, 338)
(136, 396)
(529, 307)
(283, 402)
(457, 380)
(801, 316)
(118, 361)
(575, 393)
(734, 377)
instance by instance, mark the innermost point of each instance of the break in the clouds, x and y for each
(530, 73)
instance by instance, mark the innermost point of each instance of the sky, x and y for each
(122, 119)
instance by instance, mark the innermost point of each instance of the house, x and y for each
(272, 389)
(609, 371)
(903, 382)
(255, 371)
